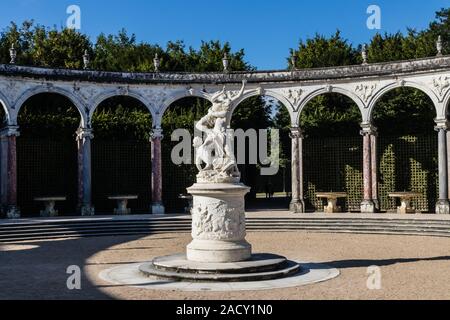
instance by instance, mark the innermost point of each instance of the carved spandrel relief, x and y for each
(441, 84)
(155, 98)
(11, 91)
(218, 221)
(294, 95)
(365, 91)
(87, 93)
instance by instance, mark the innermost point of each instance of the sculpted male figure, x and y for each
(216, 151)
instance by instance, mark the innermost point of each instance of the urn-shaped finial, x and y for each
(86, 60)
(294, 61)
(364, 53)
(225, 62)
(439, 46)
(13, 54)
(156, 62)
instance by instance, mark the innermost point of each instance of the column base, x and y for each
(377, 205)
(87, 211)
(122, 212)
(49, 214)
(443, 207)
(368, 206)
(12, 212)
(217, 251)
(158, 208)
(297, 206)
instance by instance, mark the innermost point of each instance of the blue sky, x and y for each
(265, 29)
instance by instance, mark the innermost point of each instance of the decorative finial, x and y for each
(86, 60)
(294, 61)
(439, 46)
(13, 54)
(364, 53)
(156, 62)
(225, 62)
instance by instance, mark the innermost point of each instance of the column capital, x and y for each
(157, 133)
(441, 124)
(83, 133)
(9, 131)
(368, 129)
(296, 133)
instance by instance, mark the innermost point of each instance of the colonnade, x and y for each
(84, 136)
(364, 84)
(371, 202)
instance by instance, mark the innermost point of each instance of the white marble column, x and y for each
(297, 204)
(8, 171)
(448, 162)
(157, 202)
(367, 205)
(84, 137)
(442, 205)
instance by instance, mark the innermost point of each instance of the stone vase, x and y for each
(218, 223)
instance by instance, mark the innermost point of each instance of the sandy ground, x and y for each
(411, 267)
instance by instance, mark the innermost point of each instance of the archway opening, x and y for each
(47, 153)
(270, 183)
(181, 114)
(332, 150)
(407, 147)
(121, 154)
(3, 116)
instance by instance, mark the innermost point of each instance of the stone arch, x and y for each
(174, 98)
(269, 93)
(99, 99)
(445, 106)
(4, 104)
(405, 84)
(332, 89)
(49, 89)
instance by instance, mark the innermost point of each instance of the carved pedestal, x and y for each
(218, 223)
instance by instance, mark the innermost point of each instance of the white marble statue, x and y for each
(216, 150)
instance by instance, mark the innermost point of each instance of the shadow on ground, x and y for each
(365, 263)
(37, 270)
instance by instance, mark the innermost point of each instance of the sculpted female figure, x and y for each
(216, 151)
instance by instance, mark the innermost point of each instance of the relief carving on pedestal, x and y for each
(218, 221)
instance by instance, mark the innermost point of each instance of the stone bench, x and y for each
(332, 200)
(122, 203)
(189, 199)
(49, 202)
(405, 200)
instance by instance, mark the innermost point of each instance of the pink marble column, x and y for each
(367, 205)
(157, 202)
(84, 137)
(9, 171)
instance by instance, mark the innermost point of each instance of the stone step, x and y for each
(43, 230)
(143, 233)
(89, 228)
(249, 221)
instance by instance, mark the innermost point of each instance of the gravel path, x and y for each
(411, 267)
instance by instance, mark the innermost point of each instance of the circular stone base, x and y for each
(130, 275)
(259, 267)
(218, 251)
